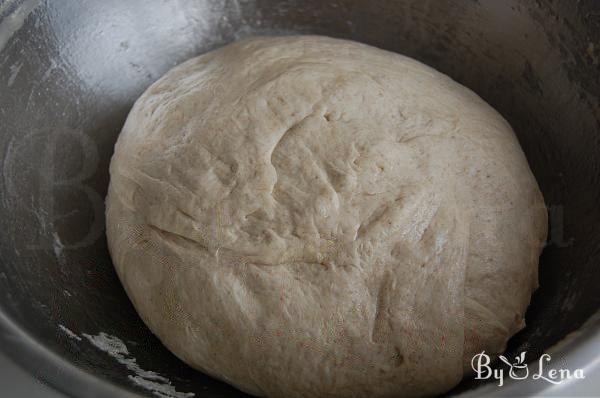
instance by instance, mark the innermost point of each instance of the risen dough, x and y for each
(311, 217)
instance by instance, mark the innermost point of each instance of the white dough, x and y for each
(312, 217)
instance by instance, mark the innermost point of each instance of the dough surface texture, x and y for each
(312, 217)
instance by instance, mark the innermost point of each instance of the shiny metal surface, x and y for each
(70, 71)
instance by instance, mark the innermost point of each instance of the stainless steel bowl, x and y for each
(70, 71)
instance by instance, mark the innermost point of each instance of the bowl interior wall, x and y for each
(70, 74)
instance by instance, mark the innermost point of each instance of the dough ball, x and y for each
(312, 217)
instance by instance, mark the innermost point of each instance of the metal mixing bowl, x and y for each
(70, 71)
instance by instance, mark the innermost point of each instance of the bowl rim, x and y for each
(50, 368)
(579, 349)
